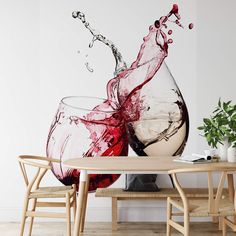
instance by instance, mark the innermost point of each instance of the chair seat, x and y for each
(52, 192)
(199, 208)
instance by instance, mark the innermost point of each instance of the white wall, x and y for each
(39, 65)
(216, 50)
(19, 97)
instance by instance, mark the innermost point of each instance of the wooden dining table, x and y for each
(131, 165)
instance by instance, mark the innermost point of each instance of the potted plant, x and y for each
(220, 128)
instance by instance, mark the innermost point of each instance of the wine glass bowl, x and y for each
(163, 123)
(81, 129)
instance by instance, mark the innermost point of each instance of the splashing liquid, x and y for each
(89, 68)
(126, 100)
(120, 64)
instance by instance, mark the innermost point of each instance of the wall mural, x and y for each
(144, 108)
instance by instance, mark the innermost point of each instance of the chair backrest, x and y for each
(41, 164)
(213, 197)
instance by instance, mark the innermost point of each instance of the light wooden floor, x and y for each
(104, 229)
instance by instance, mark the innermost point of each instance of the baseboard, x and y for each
(103, 214)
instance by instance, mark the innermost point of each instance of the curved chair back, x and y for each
(213, 197)
(42, 164)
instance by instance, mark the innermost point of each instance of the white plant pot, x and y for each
(231, 154)
(223, 150)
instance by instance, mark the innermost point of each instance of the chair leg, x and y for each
(224, 229)
(74, 200)
(32, 218)
(215, 219)
(221, 219)
(68, 217)
(169, 215)
(186, 223)
(85, 198)
(25, 207)
(234, 221)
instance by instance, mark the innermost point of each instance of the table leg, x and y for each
(231, 186)
(114, 213)
(86, 188)
(79, 209)
(232, 193)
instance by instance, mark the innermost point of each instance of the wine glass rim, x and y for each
(63, 101)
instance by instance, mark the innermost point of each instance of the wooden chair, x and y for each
(215, 206)
(34, 193)
(229, 222)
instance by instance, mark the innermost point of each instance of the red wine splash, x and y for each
(123, 90)
(108, 132)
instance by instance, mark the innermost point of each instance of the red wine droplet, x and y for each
(190, 26)
(170, 32)
(170, 40)
(157, 23)
(175, 9)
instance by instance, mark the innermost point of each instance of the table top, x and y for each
(140, 164)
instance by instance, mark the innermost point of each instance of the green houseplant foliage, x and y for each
(221, 125)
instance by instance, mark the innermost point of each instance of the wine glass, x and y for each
(163, 124)
(161, 127)
(85, 127)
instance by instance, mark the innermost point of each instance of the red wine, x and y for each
(128, 112)
(73, 134)
(190, 26)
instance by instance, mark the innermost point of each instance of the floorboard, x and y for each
(104, 229)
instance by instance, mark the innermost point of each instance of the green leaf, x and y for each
(219, 103)
(233, 139)
(224, 121)
(225, 106)
(230, 111)
(214, 145)
(208, 137)
(207, 121)
(200, 128)
(234, 117)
